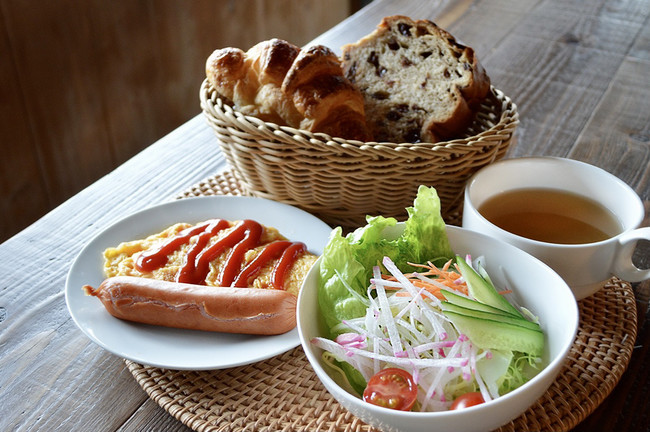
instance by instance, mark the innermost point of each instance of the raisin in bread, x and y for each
(281, 83)
(419, 83)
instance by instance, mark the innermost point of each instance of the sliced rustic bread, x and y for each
(419, 83)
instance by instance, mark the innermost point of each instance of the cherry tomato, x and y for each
(391, 388)
(467, 400)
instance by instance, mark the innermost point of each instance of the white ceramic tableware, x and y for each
(585, 267)
(535, 286)
(173, 348)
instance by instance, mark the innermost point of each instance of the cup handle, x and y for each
(624, 268)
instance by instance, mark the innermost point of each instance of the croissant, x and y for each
(252, 80)
(280, 83)
(329, 102)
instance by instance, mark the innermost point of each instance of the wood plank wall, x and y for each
(86, 84)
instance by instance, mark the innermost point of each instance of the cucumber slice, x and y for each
(468, 303)
(487, 315)
(484, 291)
(491, 334)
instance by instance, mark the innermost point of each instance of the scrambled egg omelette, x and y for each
(122, 260)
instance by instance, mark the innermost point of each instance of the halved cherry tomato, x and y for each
(391, 388)
(467, 400)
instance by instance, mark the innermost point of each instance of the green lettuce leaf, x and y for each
(424, 232)
(347, 262)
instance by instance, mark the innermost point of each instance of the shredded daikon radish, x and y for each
(412, 333)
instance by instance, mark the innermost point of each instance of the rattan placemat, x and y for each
(284, 394)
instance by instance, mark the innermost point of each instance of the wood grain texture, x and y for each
(91, 83)
(577, 70)
(617, 134)
(557, 63)
(151, 417)
(48, 364)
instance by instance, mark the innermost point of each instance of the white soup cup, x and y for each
(584, 267)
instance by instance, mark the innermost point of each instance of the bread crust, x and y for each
(278, 82)
(329, 102)
(419, 83)
(251, 80)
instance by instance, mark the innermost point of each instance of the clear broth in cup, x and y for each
(550, 215)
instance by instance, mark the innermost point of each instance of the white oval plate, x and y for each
(178, 348)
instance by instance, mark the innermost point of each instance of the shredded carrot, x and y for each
(442, 276)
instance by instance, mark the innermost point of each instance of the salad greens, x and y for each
(382, 312)
(347, 262)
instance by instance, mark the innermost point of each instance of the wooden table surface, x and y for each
(579, 72)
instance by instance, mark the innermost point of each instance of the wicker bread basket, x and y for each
(342, 181)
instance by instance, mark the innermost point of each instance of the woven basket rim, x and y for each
(509, 118)
(336, 179)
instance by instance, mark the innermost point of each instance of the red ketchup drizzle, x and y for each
(287, 259)
(153, 259)
(242, 238)
(189, 265)
(270, 252)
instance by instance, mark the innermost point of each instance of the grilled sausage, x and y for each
(197, 307)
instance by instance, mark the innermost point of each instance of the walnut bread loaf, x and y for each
(419, 84)
(280, 83)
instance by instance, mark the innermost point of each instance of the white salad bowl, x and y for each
(535, 286)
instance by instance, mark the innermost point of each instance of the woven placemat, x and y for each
(284, 394)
